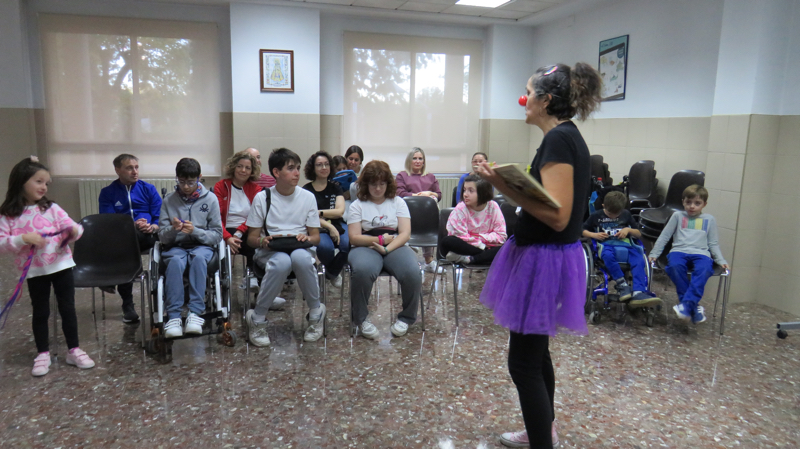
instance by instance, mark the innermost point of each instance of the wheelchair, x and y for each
(257, 271)
(217, 299)
(597, 277)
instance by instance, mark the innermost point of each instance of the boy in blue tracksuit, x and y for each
(695, 247)
(130, 195)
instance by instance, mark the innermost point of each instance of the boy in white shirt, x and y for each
(291, 212)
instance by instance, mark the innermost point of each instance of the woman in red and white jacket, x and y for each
(235, 193)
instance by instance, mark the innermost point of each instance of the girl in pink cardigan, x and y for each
(476, 228)
(25, 216)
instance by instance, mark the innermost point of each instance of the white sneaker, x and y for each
(278, 304)
(253, 283)
(256, 332)
(429, 267)
(194, 324)
(457, 258)
(315, 328)
(399, 328)
(337, 281)
(368, 330)
(173, 328)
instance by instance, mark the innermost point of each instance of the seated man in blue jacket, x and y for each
(130, 195)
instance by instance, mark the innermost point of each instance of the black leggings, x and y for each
(479, 256)
(64, 288)
(532, 372)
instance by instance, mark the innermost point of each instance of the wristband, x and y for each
(380, 240)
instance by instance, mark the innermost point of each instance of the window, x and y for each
(145, 87)
(403, 92)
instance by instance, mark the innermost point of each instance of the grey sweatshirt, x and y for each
(689, 235)
(203, 213)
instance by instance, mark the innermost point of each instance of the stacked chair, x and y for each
(641, 187)
(652, 221)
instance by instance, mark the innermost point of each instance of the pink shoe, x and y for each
(79, 358)
(515, 439)
(554, 435)
(41, 364)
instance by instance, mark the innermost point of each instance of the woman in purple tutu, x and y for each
(536, 286)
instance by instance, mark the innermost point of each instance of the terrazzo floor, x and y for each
(623, 386)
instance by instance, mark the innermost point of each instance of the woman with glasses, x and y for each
(379, 226)
(235, 193)
(536, 286)
(330, 202)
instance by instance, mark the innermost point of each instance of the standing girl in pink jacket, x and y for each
(476, 228)
(29, 220)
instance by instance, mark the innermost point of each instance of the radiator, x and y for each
(446, 185)
(89, 191)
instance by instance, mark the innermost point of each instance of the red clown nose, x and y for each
(523, 100)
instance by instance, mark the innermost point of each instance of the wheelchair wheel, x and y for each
(650, 318)
(228, 338)
(782, 334)
(594, 317)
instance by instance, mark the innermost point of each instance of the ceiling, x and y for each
(514, 10)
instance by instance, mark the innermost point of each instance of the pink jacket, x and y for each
(48, 260)
(480, 229)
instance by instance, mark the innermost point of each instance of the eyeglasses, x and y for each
(323, 165)
(192, 183)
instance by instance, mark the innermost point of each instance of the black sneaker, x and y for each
(644, 299)
(129, 314)
(625, 292)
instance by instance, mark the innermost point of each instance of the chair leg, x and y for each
(719, 290)
(422, 303)
(455, 294)
(724, 305)
(142, 281)
(353, 329)
(54, 311)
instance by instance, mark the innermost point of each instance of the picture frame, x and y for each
(613, 67)
(277, 70)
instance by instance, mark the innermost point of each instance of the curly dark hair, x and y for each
(233, 161)
(573, 91)
(376, 171)
(308, 170)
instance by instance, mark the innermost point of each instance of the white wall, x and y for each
(15, 86)
(256, 27)
(508, 67)
(672, 61)
(790, 96)
(332, 48)
(753, 55)
(141, 10)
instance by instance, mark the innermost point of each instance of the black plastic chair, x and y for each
(653, 220)
(600, 169)
(641, 186)
(500, 199)
(455, 196)
(510, 216)
(108, 254)
(424, 221)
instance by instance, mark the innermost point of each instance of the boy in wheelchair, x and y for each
(191, 229)
(613, 227)
(695, 240)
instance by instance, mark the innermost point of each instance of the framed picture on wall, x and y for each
(277, 70)
(613, 67)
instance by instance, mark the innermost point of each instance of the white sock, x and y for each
(315, 313)
(259, 318)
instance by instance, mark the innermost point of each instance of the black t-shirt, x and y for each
(600, 222)
(326, 199)
(562, 144)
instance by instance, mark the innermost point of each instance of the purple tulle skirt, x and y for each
(538, 289)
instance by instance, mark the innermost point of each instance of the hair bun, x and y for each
(34, 158)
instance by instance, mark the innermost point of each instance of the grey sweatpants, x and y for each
(278, 265)
(367, 264)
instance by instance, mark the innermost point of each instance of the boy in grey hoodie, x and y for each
(190, 229)
(695, 249)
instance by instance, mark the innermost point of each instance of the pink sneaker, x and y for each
(515, 439)
(79, 358)
(41, 364)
